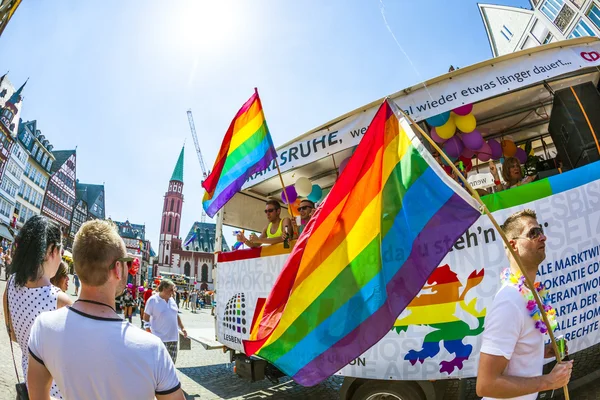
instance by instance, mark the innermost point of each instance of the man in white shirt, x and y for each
(512, 350)
(87, 348)
(161, 317)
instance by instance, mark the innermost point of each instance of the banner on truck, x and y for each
(439, 335)
(480, 84)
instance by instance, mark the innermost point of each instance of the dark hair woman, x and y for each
(28, 291)
(61, 279)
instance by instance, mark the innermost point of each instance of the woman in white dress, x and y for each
(36, 259)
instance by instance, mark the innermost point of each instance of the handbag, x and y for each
(20, 387)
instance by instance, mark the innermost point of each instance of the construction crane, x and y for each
(200, 159)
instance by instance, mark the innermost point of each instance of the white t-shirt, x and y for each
(163, 317)
(91, 357)
(510, 332)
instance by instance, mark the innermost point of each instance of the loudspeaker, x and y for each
(569, 129)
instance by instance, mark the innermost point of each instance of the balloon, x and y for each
(294, 207)
(303, 187)
(466, 162)
(439, 120)
(291, 195)
(463, 110)
(447, 130)
(316, 193)
(435, 136)
(342, 166)
(465, 123)
(453, 147)
(496, 149)
(484, 153)
(467, 153)
(508, 148)
(472, 140)
(521, 155)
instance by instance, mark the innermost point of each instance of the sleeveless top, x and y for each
(276, 234)
(25, 305)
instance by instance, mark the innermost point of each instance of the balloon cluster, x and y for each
(302, 188)
(468, 142)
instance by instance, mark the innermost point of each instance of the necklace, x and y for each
(95, 302)
(518, 281)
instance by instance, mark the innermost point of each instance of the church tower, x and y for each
(171, 218)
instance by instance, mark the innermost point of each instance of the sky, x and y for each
(115, 78)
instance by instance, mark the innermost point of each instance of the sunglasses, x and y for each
(127, 260)
(269, 210)
(303, 208)
(534, 233)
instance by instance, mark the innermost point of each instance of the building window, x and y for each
(49, 165)
(172, 202)
(594, 15)
(27, 169)
(170, 220)
(166, 259)
(34, 150)
(551, 8)
(582, 29)
(44, 159)
(547, 39)
(506, 32)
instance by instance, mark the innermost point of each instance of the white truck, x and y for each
(546, 96)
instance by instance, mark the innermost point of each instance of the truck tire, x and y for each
(388, 390)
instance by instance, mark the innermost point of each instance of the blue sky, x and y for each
(116, 78)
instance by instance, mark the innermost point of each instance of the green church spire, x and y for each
(178, 171)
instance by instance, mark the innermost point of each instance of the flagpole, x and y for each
(515, 255)
(283, 188)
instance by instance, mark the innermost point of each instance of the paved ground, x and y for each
(209, 375)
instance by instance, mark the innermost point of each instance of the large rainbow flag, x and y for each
(385, 226)
(247, 148)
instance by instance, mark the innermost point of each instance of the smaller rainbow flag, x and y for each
(247, 149)
(389, 220)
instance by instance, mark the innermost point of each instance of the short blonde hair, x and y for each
(165, 284)
(513, 225)
(96, 247)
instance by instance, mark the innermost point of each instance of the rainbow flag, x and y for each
(385, 226)
(247, 148)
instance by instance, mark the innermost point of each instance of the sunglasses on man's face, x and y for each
(127, 260)
(534, 233)
(304, 208)
(269, 210)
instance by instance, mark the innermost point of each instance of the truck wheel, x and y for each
(388, 390)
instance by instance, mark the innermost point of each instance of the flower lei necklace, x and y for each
(518, 281)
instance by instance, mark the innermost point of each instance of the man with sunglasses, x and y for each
(277, 231)
(512, 351)
(89, 350)
(306, 210)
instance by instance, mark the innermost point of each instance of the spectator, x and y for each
(61, 279)
(511, 172)
(76, 282)
(29, 291)
(186, 299)
(177, 295)
(162, 319)
(7, 260)
(87, 348)
(277, 231)
(194, 300)
(128, 303)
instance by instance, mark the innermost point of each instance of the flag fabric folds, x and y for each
(247, 148)
(387, 223)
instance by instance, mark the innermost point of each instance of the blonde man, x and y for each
(88, 349)
(512, 350)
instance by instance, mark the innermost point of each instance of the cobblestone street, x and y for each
(207, 374)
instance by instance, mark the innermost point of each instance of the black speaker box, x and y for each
(569, 129)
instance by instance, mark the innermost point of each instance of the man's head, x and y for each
(526, 237)
(166, 288)
(272, 210)
(100, 256)
(305, 208)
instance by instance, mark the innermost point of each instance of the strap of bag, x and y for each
(9, 328)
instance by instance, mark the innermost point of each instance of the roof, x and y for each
(500, 19)
(178, 171)
(61, 156)
(16, 96)
(206, 232)
(90, 193)
(131, 231)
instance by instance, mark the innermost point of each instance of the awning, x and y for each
(5, 233)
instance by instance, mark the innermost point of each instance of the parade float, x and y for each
(539, 105)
